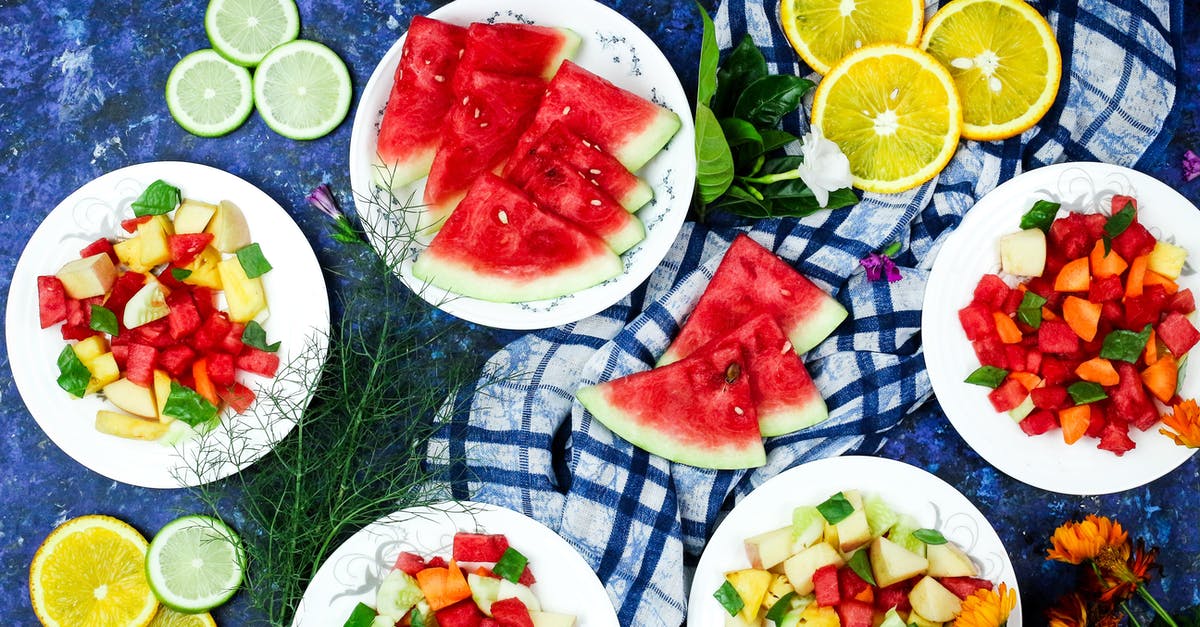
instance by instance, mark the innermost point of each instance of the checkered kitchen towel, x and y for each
(639, 519)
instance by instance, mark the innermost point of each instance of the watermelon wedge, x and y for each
(625, 125)
(556, 186)
(498, 246)
(479, 134)
(516, 49)
(697, 411)
(598, 167)
(749, 281)
(422, 93)
(785, 398)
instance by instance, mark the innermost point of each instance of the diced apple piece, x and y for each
(193, 216)
(229, 228)
(751, 584)
(1167, 259)
(780, 586)
(245, 296)
(88, 277)
(146, 305)
(153, 234)
(770, 548)
(933, 601)
(132, 397)
(551, 619)
(1023, 253)
(204, 269)
(91, 348)
(947, 560)
(801, 566)
(892, 563)
(104, 371)
(162, 389)
(125, 426)
(853, 531)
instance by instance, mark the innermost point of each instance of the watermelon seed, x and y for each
(439, 78)
(785, 292)
(426, 61)
(787, 346)
(503, 217)
(594, 171)
(466, 99)
(595, 202)
(738, 410)
(566, 110)
(477, 114)
(484, 125)
(587, 143)
(460, 51)
(595, 183)
(732, 373)
(582, 175)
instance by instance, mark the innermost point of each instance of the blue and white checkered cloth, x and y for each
(640, 520)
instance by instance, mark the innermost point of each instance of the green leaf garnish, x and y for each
(256, 336)
(185, 404)
(780, 608)
(1040, 216)
(768, 99)
(835, 509)
(253, 262)
(1125, 345)
(1084, 392)
(860, 563)
(180, 274)
(104, 320)
(744, 65)
(774, 138)
(987, 376)
(706, 84)
(73, 376)
(159, 198)
(1030, 309)
(729, 598)
(930, 536)
(511, 565)
(714, 161)
(1119, 221)
(745, 142)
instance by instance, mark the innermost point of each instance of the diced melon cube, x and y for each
(91, 348)
(245, 296)
(154, 249)
(125, 426)
(88, 277)
(1167, 259)
(933, 601)
(104, 371)
(204, 269)
(132, 397)
(1023, 253)
(800, 567)
(229, 228)
(193, 216)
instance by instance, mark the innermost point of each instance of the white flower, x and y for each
(825, 167)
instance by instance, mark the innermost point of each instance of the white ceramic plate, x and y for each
(910, 490)
(298, 317)
(565, 583)
(613, 48)
(970, 252)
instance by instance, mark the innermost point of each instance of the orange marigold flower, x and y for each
(987, 608)
(1118, 574)
(1075, 542)
(1185, 420)
(1070, 611)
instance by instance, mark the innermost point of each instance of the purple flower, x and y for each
(879, 266)
(322, 198)
(1191, 165)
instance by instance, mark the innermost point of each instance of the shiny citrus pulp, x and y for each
(824, 31)
(168, 617)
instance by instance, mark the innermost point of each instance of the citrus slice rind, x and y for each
(88, 571)
(1005, 62)
(244, 31)
(824, 31)
(302, 90)
(207, 95)
(894, 112)
(167, 617)
(195, 563)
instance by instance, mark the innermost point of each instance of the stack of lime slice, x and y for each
(301, 88)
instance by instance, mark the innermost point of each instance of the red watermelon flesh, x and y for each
(697, 411)
(421, 96)
(625, 125)
(499, 246)
(557, 187)
(515, 49)
(479, 134)
(596, 166)
(785, 397)
(751, 280)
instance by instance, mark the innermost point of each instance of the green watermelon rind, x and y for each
(463, 280)
(817, 326)
(810, 412)
(628, 237)
(570, 45)
(642, 147)
(395, 176)
(637, 197)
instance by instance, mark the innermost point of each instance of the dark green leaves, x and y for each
(180, 274)
(714, 161)
(860, 563)
(1125, 345)
(254, 335)
(73, 376)
(511, 565)
(709, 55)
(184, 403)
(158, 199)
(768, 99)
(1084, 392)
(745, 65)
(1040, 216)
(1119, 221)
(1030, 309)
(252, 260)
(987, 376)
(835, 509)
(103, 320)
(780, 608)
(729, 598)
(929, 536)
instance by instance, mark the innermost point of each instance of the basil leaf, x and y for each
(860, 563)
(729, 598)
(835, 509)
(256, 336)
(1030, 309)
(252, 260)
(744, 142)
(362, 616)
(185, 404)
(511, 565)
(780, 608)
(180, 274)
(706, 84)
(714, 161)
(73, 376)
(1125, 345)
(1119, 221)
(929, 536)
(774, 138)
(744, 65)
(768, 99)
(104, 320)
(987, 376)
(1040, 216)
(159, 198)
(1084, 392)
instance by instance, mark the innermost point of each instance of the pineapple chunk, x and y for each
(129, 251)
(104, 371)
(91, 348)
(88, 277)
(125, 426)
(1167, 260)
(751, 584)
(817, 616)
(779, 587)
(245, 296)
(153, 233)
(193, 216)
(162, 390)
(204, 269)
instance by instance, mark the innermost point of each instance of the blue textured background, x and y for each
(80, 95)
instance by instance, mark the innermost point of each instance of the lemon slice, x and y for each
(195, 563)
(1004, 60)
(90, 571)
(168, 617)
(824, 31)
(894, 112)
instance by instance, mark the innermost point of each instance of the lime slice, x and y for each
(244, 31)
(209, 96)
(195, 563)
(302, 90)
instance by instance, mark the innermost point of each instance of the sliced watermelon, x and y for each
(52, 301)
(596, 166)
(750, 281)
(422, 93)
(499, 246)
(480, 131)
(555, 186)
(697, 411)
(516, 49)
(625, 125)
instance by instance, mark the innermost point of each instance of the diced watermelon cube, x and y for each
(185, 247)
(1009, 395)
(825, 582)
(212, 332)
(1129, 398)
(437, 561)
(1112, 313)
(1177, 333)
(1098, 419)
(1119, 202)
(101, 245)
(184, 317)
(76, 331)
(489, 622)
(1182, 302)
(1145, 309)
(1013, 302)
(1057, 337)
(1054, 262)
(77, 315)
(526, 578)
(977, 322)
(855, 613)
(120, 353)
(1070, 236)
(511, 613)
(1116, 439)
(1016, 356)
(991, 292)
(894, 596)
(1033, 360)
(410, 563)
(52, 301)
(462, 614)
(139, 365)
(1056, 371)
(1053, 397)
(1105, 289)
(991, 352)
(131, 224)
(156, 333)
(220, 368)
(1134, 242)
(123, 289)
(850, 584)
(232, 343)
(963, 587)
(237, 396)
(176, 359)
(258, 362)
(1094, 223)
(204, 301)
(1039, 422)
(479, 547)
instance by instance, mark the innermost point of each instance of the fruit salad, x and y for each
(851, 561)
(161, 320)
(1095, 331)
(485, 583)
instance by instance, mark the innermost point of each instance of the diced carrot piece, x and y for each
(1162, 377)
(1105, 265)
(1098, 370)
(1074, 276)
(1009, 333)
(1083, 316)
(1154, 278)
(1074, 421)
(1136, 280)
(204, 385)
(443, 587)
(1151, 354)
(1027, 379)
(1048, 314)
(867, 595)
